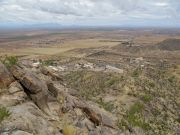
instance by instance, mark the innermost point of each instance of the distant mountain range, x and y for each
(69, 26)
(26, 26)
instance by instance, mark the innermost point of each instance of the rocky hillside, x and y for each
(35, 101)
(86, 97)
(169, 45)
(168, 48)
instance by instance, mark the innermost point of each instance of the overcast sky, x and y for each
(91, 12)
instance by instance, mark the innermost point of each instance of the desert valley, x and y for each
(119, 81)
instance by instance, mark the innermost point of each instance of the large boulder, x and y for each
(28, 119)
(34, 87)
(6, 77)
(13, 96)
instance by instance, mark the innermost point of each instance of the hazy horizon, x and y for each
(76, 26)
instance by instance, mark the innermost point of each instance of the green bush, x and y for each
(9, 61)
(136, 108)
(146, 98)
(4, 113)
(136, 73)
(151, 84)
(137, 121)
(178, 120)
(113, 80)
(123, 124)
(47, 63)
(134, 118)
(172, 79)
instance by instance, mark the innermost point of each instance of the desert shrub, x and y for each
(178, 119)
(175, 66)
(137, 121)
(133, 117)
(4, 113)
(151, 84)
(122, 124)
(136, 73)
(108, 106)
(69, 130)
(146, 98)
(113, 80)
(9, 61)
(47, 63)
(155, 112)
(172, 79)
(136, 108)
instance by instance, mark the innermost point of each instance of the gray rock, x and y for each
(8, 100)
(138, 131)
(18, 132)
(15, 87)
(86, 123)
(13, 96)
(27, 117)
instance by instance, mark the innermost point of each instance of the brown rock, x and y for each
(34, 87)
(49, 72)
(52, 89)
(93, 116)
(5, 76)
(100, 117)
(94, 113)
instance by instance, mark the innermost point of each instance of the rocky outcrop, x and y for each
(93, 112)
(34, 87)
(28, 119)
(5, 76)
(52, 73)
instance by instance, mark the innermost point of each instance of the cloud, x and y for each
(161, 4)
(89, 12)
